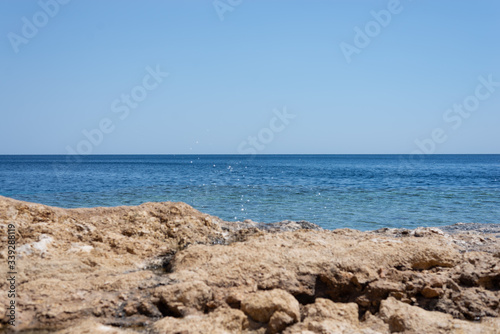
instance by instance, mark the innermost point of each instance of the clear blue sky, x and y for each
(227, 76)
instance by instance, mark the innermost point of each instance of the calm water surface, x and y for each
(334, 191)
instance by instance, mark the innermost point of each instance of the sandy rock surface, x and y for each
(168, 268)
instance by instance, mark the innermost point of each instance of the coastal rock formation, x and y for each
(168, 268)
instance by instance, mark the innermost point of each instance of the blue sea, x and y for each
(335, 191)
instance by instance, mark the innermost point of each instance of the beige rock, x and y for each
(405, 318)
(261, 305)
(221, 321)
(91, 326)
(279, 321)
(167, 268)
(325, 316)
(325, 308)
(429, 292)
(185, 298)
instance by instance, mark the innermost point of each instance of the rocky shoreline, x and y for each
(168, 268)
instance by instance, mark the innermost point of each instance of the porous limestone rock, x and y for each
(168, 268)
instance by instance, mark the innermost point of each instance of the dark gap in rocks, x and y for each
(495, 284)
(490, 283)
(466, 280)
(320, 288)
(233, 302)
(167, 261)
(426, 303)
(305, 299)
(362, 313)
(149, 310)
(235, 305)
(166, 311)
(338, 289)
